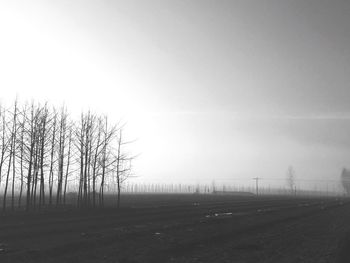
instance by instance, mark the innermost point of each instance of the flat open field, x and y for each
(183, 228)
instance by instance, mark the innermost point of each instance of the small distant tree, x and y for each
(213, 187)
(291, 179)
(345, 180)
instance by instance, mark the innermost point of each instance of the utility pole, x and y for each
(257, 185)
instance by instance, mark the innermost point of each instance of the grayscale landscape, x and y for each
(145, 131)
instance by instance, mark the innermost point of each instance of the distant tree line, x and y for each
(43, 151)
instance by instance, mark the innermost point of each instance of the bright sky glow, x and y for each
(211, 90)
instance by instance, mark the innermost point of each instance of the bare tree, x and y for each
(84, 145)
(31, 146)
(122, 167)
(97, 153)
(107, 159)
(52, 154)
(291, 179)
(61, 154)
(21, 143)
(345, 180)
(43, 152)
(4, 140)
(14, 140)
(43, 144)
(11, 155)
(68, 163)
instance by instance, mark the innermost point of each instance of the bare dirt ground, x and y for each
(183, 228)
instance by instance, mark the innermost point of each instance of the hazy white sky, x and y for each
(211, 89)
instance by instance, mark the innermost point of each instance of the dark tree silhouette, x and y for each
(43, 153)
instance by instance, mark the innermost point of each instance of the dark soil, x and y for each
(183, 228)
